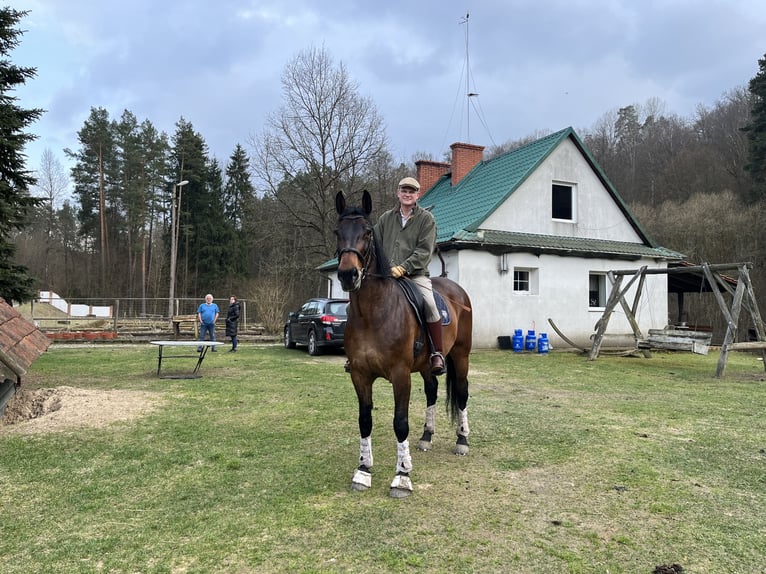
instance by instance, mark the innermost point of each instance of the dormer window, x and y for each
(563, 201)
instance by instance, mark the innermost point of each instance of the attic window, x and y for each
(562, 201)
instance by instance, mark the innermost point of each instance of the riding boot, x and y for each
(437, 359)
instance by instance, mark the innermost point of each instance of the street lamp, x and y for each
(175, 216)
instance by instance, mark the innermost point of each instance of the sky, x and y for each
(535, 66)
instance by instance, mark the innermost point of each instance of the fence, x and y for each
(123, 315)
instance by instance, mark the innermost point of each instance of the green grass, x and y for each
(615, 465)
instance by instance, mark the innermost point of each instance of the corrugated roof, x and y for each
(506, 241)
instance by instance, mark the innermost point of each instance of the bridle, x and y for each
(367, 257)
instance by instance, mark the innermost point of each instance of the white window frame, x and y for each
(572, 199)
(531, 281)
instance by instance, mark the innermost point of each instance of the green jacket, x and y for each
(410, 246)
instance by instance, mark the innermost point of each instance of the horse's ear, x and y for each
(366, 202)
(340, 202)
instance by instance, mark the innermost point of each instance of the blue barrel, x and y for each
(531, 341)
(542, 343)
(518, 341)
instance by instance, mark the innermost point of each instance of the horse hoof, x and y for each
(401, 486)
(399, 493)
(425, 446)
(461, 449)
(362, 480)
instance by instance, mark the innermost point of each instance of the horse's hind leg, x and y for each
(430, 386)
(457, 386)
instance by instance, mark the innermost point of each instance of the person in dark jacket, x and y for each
(232, 320)
(408, 234)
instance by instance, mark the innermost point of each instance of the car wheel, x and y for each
(312, 344)
(289, 343)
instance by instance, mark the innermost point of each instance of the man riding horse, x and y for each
(408, 235)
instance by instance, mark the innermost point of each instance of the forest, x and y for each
(146, 209)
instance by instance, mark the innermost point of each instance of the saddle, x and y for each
(415, 298)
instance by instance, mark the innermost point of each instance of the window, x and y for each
(597, 290)
(525, 280)
(521, 280)
(562, 201)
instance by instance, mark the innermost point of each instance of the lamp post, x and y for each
(175, 216)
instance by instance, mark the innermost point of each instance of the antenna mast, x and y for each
(468, 93)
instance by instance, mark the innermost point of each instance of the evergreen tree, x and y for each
(96, 178)
(15, 179)
(756, 132)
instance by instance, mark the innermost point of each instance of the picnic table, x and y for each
(200, 349)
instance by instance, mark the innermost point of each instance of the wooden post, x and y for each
(731, 317)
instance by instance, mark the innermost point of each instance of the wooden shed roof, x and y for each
(20, 341)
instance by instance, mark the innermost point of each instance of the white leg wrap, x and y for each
(402, 482)
(430, 418)
(463, 422)
(404, 461)
(365, 452)
(362, 480)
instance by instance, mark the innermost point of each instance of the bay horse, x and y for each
(380, 341)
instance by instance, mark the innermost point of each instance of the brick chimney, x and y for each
(464, 158)
(429, 172)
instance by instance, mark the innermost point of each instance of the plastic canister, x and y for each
(530, 342)
(542, 343)
(518, 341)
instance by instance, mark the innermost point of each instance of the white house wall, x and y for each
(561, 294)
(528, 209)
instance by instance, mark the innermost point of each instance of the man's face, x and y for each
(208, 299)
(408, 196)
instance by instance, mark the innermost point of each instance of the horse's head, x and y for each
(355, 241)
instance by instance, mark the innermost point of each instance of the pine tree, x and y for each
(756, 132)
(15, 179)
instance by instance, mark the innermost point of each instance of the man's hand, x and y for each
(398, 271)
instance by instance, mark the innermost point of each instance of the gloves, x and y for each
(398, 271)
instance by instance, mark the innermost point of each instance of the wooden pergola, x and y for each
(741, 295)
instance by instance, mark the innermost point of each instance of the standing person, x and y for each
(207, 313)
(232, 320)
(408, 235)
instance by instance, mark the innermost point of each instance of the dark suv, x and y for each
(320, 323)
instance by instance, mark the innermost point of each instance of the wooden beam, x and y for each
(673, 270)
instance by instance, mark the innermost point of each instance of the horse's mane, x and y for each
(383, 267)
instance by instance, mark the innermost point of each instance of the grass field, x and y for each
(616, 465)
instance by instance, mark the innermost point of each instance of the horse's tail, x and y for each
(452, 398)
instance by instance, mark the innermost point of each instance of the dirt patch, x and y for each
(67, 408)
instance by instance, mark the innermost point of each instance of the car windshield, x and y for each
(337, 308)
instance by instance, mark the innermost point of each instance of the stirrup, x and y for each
(347, 366)
(437, 363)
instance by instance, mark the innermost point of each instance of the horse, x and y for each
(382, 339)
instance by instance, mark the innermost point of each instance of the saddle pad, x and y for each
(442, 307)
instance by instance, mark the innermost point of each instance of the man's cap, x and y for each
(410, 182)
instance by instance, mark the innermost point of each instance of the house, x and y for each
(531, 235)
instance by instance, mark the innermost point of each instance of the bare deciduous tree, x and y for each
(319, 142)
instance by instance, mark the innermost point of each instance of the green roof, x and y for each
(506, 241)
(465, 206)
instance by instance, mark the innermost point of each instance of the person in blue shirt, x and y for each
(207, 313)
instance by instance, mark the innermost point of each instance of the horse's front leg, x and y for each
(401, 486)
(362, 479)
(431, 387)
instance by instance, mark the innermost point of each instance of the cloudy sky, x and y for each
(536, 66)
